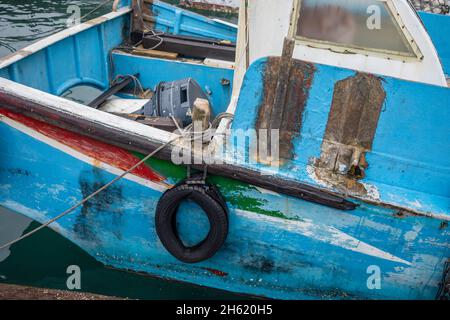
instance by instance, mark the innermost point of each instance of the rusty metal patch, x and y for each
(352, 124)
(287, 83)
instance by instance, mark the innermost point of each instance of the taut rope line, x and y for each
(80, 203)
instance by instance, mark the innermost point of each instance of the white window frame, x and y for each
(345, 49)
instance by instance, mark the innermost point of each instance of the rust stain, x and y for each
(22, 53)
(287, 83)
(352, 124)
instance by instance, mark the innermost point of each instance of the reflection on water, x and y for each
(42, 259)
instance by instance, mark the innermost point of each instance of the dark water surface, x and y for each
(42, 259)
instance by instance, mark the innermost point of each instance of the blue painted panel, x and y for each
(153, 71)
(317, 253)
(178, 21)
(124, 3)
(438, 27)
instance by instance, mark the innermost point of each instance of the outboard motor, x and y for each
(175, 99)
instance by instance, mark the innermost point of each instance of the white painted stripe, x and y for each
(324, 233)
(82, 157)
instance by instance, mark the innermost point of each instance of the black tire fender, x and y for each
(208, 197)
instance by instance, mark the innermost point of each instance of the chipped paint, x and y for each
(40, 216)
(46, 42)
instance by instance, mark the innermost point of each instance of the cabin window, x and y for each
(360, 24)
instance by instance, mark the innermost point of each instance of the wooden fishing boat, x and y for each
(352, 203)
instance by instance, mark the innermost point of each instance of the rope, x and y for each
(185, 134)
(95, 9)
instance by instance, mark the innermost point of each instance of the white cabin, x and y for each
(384, 37)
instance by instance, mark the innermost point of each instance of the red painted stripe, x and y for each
(103, 152)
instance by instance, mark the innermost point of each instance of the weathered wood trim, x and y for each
(15, 292)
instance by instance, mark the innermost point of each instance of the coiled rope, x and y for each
(186, 134)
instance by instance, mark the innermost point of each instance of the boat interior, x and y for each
(138, 68)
